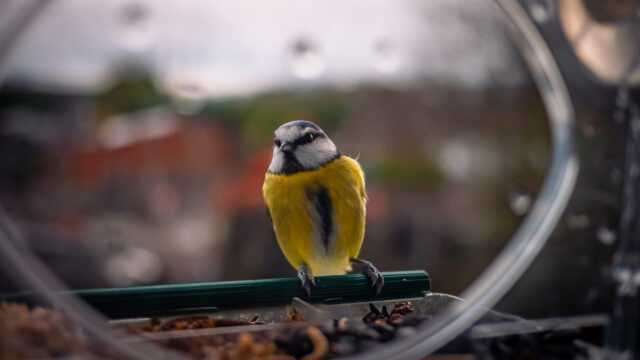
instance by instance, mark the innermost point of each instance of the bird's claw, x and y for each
(306, 279)
(371, 272)
(375, 277)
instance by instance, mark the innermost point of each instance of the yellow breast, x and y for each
(297, 223)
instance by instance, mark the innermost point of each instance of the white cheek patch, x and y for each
(316, 154)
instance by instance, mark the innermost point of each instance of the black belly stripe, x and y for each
(322, 202)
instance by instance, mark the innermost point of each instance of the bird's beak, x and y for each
(286, 147)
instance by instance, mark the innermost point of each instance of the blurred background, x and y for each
(135, 135)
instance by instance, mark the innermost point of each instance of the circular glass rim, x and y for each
(531, 236)
(479, 297)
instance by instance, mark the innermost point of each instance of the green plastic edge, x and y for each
(160, 300)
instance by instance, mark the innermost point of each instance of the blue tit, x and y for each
(316, 199)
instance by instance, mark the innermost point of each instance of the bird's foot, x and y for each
(371, 272)
(306, 278)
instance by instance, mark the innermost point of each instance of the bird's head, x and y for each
(301, 146)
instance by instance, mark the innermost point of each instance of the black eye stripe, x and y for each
(307, 138)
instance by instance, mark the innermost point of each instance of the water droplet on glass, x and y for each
(133, 266)
(185, 82)
(541, 10)
(186, 90)
(627, 280)
(622, 274)
(134, 30)
(189, 90)
(306, 62)
(386, 58)
(592, 295)
(578, 221)
(606, 235)
(455, 160)
(520, 203)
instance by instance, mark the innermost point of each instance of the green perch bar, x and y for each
(158, 300)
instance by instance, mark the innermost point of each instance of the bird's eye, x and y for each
(278, 143)
(306, 139)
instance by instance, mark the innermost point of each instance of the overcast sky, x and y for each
(241, 47)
